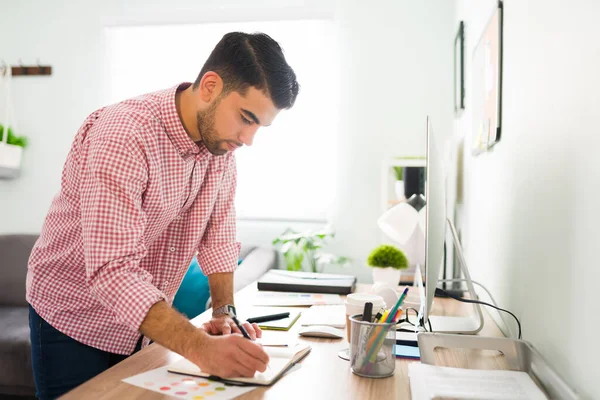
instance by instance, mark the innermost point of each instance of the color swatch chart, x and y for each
(264, 298)
(185, 387)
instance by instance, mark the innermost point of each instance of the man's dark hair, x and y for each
(243, 60)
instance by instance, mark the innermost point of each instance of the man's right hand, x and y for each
(228, 356)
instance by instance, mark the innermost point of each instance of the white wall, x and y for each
(529, 217)
(396, 69)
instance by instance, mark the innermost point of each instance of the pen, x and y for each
(267, 318)
(244, 333)
(240, 327)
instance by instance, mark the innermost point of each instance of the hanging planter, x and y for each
(11, 146)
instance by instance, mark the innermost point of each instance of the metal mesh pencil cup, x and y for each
(372, 349)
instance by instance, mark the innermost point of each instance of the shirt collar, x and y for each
(175, 130)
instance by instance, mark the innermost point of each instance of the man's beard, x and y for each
(206, 127)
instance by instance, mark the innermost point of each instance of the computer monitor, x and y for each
(435, 233)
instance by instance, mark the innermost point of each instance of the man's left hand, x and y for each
(224, 325)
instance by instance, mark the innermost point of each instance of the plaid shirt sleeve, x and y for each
(113, 179)
(219, 250)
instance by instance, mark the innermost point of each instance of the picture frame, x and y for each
(459, 69)
(486, 82)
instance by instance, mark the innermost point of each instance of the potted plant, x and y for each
(399, 172)
(387, 262)
(11, 151)
(304, 249)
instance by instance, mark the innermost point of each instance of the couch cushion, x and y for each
(16, 374)
(254, 265)
(14, 255)
(193, 293)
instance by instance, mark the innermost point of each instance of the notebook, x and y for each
(332, 315)
(282, 358)
(306, 282)
(411, 352)
(283, 324)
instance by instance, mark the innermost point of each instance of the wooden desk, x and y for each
(322, 375)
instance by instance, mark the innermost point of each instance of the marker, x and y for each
(367, 311)
(267, 318)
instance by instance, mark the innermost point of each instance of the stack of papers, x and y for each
(431, 382)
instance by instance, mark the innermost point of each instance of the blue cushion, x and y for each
(193, 293)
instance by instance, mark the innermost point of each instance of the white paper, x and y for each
(280, 358)
(263, 298)
(334, 316)
(430, 382)
(185, 387)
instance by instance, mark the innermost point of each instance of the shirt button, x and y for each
(172, 249)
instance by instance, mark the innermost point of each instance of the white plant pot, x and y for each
(399, 190)
(10, 160)
(389, 276)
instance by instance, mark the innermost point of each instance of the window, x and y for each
(288, 173)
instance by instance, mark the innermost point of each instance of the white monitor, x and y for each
(435, 195)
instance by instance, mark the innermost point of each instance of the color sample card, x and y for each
(185, 387)
(295, 299)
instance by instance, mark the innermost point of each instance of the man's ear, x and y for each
(211, 86)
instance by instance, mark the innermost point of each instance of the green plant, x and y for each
(300, 248)
(399, 173)
(387, 256)
(20, 141)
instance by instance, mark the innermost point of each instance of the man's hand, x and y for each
(224, 325)
(229, 356)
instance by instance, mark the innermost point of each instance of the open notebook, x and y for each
(282, 358)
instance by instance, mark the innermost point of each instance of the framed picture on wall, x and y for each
(459, 69)
(487, 84)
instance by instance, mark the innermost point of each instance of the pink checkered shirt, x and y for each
(138, 199)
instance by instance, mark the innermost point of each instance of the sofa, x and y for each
(16, 377)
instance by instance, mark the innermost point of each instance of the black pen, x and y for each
(267, 318)
(240, 327)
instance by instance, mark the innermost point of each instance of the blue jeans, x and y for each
(61, 363)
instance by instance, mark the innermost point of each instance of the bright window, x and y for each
(288, 173)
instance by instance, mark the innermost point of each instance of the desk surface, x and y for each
(323, 375)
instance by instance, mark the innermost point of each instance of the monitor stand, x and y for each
(469, 325)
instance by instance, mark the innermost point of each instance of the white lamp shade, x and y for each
(399, 222)
(422, 219)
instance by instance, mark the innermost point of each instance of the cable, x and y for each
(506, 324)
(479, 302)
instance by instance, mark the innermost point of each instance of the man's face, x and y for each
(232, 120)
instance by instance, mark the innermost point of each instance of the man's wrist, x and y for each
(224, 310)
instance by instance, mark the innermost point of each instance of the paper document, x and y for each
(295, 299)
(185, 387)
(432, 382)
(334, 316)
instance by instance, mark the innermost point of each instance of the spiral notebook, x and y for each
(282, 359)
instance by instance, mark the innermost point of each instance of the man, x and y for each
(147, 184)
